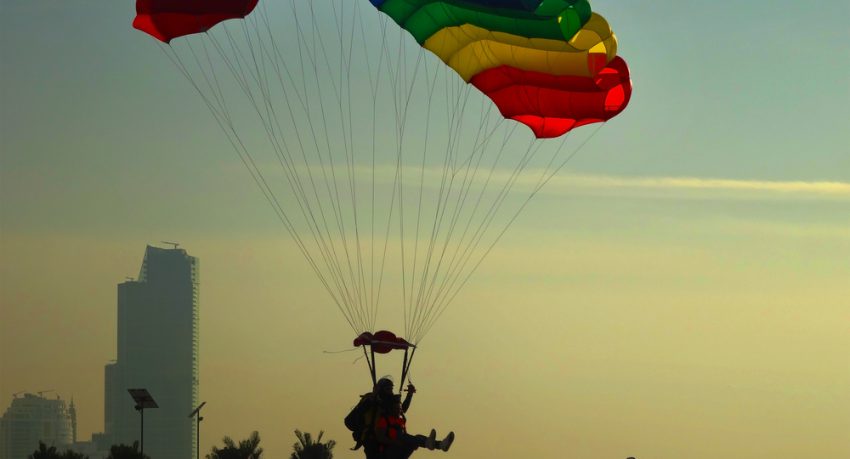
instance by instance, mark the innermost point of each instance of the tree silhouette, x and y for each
(306, 448)
(126, 452)
(45, 452)
(246, 449)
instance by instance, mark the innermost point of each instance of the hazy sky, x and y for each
(682, 290)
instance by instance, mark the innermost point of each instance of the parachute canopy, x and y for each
(169, 19)
(376, 144)
(547, 64)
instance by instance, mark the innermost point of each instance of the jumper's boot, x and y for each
(431, 441)
(446, 443)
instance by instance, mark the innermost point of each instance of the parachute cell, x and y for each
(166, 20)
(553, 105)
(470, 50)
(551, 65)
(424, 18)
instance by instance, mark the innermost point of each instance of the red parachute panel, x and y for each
(169, 19)
(553, 105)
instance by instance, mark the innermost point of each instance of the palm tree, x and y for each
(126, 452)
(246, 449)
(68, 454)
(43, 452)
(306, 448)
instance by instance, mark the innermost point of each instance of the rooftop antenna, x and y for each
(42, 392)
(175, 244)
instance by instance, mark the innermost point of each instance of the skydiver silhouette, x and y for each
(393, 440)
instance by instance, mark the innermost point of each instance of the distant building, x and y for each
(33, 418)
(158, 351)
(90, 449)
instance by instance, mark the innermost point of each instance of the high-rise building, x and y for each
(32, 419)
(157, 351)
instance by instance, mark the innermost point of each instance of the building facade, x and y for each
(157, 351)
(32, 419)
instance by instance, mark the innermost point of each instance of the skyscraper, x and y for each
(31, 419)
(158, 351)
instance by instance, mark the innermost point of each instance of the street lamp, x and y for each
(194, 413)
(143, 400)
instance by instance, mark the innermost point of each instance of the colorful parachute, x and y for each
(547, 64)
(371, 150)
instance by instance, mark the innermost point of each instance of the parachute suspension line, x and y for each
(452, 244)
(265, 92)
(345, 89)
(422, 295)
(258, 79)
(221, 116)
(545, 178)
(452, 114)
(402, 90)
(400, 122)
(336, 201)
(478, 234)
(463, 193)
(275, 57)
(303, 97)
(373, 86)
(430, 85)
(488, 219)
(404, 114)
(343, 101)
(335, 192)
(429, 303)
(297, 132)
(439, 203)
(466, 187)
(352, 166)
(391, 209)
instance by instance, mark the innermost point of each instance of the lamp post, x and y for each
(143, 400)
(197, 413)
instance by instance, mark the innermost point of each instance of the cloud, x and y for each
(566, 183)
(707, 185)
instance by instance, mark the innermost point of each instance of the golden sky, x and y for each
(642, 326)
(681, 290)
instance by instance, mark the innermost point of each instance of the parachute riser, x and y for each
(371, 363)
(405, 370)
(371, 359)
